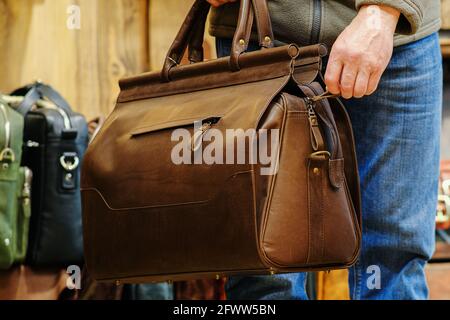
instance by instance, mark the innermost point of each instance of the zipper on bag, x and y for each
(313, 123)
(7, 155)
(317, 21)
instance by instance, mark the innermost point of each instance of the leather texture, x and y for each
(148, 219)
(55, 139)
(14, 189)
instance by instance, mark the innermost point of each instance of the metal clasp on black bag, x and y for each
(69, 162)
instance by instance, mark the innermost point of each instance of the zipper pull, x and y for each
(312, 117)
(198, 136)
(316, 136)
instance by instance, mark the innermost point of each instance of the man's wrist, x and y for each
(380, 16)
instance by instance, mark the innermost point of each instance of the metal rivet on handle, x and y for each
(242, 42)
(316, 171)
(267, 39)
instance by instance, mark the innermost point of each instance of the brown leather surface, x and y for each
(148, 219)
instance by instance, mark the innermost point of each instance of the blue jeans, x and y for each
(397, 132)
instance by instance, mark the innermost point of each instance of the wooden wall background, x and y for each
(445, 13)
(117, 38)
(84, 65)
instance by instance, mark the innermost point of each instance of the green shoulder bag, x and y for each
(15, 184)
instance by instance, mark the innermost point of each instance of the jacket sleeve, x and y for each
(411, 12)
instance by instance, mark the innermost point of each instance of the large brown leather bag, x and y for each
(147, 218)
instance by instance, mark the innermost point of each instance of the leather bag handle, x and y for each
(192, 33)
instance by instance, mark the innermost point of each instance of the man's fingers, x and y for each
(361, 84)
(333, 76)
(348, 78)
(373, 82)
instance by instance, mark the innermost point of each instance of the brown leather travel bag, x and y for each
(156, 208)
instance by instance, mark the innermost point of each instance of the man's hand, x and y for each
(362, 52)
(218, 3)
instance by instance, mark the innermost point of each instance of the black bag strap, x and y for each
(36, 91)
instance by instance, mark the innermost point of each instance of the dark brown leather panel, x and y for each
(177, 234)
(284, 227)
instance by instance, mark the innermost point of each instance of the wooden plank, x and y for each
(84, 65)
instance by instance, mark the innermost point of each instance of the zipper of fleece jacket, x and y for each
(317, 21)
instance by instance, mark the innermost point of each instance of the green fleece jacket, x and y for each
(313, 21)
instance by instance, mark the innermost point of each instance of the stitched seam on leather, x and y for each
(273, 180)
(260, 235)
(358, 231)
(272, 183)
(348, 126)
(143, 96)
(322, 215)
(162, 275)
(309, 212)
(152, 126)
(161, 206)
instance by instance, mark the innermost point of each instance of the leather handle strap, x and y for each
(241, 37)
(197, 15)
(192, 33)
(196, 52)
(264, 23)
